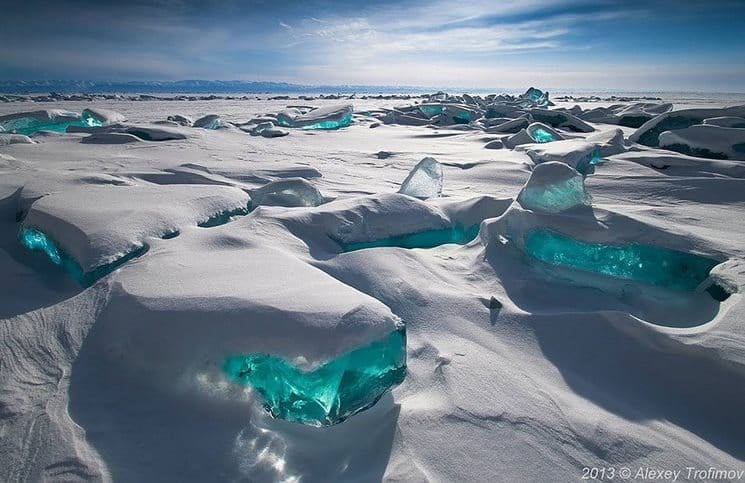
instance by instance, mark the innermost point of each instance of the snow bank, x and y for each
(96, 225)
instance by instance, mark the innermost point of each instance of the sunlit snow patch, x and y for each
(330, 393)
(657, 266)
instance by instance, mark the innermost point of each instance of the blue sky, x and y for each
(600, 44)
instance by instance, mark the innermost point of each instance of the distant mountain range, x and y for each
(190, 86)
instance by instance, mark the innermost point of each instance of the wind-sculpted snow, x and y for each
(96, 226)
(210, 121)
(28, 123)
(544, 331)
(580, 155)
(706, 141)
(329, 117)
(330, 393)
(424, 181)
(649, 133)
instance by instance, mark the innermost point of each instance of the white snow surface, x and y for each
(121, 380)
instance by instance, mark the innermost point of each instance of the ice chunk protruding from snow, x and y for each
(96, 226)
(649, 133)
(541, 133)
(331, 393)
(706, 141)
(328, 117)
(608, 142)
(576, 153)
(95, 117)
(35, 240)
(424, 181)
(332, 117)
(28, 123)
(425, 239)
(657, 266)
(210, 121)
(268, 130)
(537, 96)
(180, 119)
(432, 110)
(553, 187)
(291, 192)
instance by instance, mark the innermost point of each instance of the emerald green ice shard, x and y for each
(648, 264)
(330, 393)
(345, 121)
(431, 110)
(542, 136)
(31, 125)
(424, 239)
(35, 240)
(555, 197)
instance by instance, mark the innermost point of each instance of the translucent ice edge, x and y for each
(30, 125)
(540, 135)
(36, 240)
(223, 217)
(331, 123)
(648, 264)
(424, 239)
(555, 197)
(330, 393)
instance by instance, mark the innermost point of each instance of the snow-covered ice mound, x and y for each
(543, 334)
(210, 121)
(47, 120)
(345, 351)
(706, 141)
(92, 230)
(578, 154)
(287, 192)
(649, 133)
(659, 276)
(329, 117)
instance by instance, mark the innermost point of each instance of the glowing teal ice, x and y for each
(345, 121)
(642, 263)
(556, 197)
(431, 110)
(223, 217)
(425, 239)
(32, 125)
(35, 240)
(330, 393)
(540, 135)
